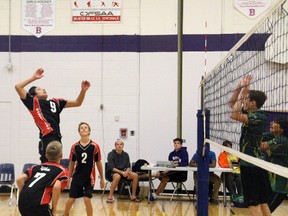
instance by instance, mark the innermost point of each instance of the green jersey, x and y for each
(251, 135)
(278, 154)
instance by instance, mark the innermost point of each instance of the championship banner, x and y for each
(38, 16)
(252, 8)
(91, 11)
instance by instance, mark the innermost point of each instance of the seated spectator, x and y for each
(233, 179)
(180, 157)
(213, 178)
(119, 167)
(275, 143)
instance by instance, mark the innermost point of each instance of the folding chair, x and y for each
(65, 163)
(106, 178)
(143, 176)
(124, 184)
(178, 185)
(7, 177)
(25, 167)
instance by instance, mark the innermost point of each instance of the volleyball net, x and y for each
(263, 54)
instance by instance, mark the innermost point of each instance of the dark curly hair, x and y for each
(258, 96)
(283, 122)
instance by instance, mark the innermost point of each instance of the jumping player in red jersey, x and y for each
(84, 153)
(46, 113)
(41, 183)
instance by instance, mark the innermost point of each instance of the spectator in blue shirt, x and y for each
(213, 178)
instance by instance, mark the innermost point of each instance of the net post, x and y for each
(202, 164)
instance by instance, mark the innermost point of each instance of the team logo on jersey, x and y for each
(47, 169)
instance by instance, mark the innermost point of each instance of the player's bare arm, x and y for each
(19, 87)
(55, 196)
(79, 100)
(237, 114)
(21, 181)
(244, 83)
(100, 170)
(71, 168)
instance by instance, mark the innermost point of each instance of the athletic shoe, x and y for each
(153, 196)
(213, 201)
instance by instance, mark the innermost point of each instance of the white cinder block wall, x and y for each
(139, 88)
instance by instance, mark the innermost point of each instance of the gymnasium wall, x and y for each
(132, 67)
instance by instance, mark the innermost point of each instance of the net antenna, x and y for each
(202, 84)
(262, 53)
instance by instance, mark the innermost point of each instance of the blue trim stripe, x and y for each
(127, 43)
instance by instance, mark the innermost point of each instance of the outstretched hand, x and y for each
(245, 82)
(245, 85)
(38, 74)
(85, 85)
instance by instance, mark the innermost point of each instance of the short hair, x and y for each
(53, 151)
(227, 143)
(258, 96)
(32, 91)
(119, 140)
(179, 140)
(283, 122)
(81, 123)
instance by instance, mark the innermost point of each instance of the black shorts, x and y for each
(256, 185)
(177, 176)
(78, 190)
(109, 176)
(43, 145)
(42, 210)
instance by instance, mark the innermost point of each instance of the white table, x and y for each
(193, 169)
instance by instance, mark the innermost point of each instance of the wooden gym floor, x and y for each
(161, 207)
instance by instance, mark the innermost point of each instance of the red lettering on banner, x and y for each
(38, 30)
(95, 18)
(251, 12)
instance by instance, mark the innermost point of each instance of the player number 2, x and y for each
(84, 157)
(37, 177)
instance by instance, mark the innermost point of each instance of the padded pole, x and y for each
(202, 168)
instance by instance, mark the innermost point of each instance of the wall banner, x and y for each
(38, 16)
(252, 8)
(95, 11)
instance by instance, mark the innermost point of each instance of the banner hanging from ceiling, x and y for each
(96, 11)
(38, 16)
(252, 8)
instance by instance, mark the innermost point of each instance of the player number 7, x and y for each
(37, 177)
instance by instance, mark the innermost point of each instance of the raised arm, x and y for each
(243, 84)
(75, 103)
(38, 74)
(236, 113)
